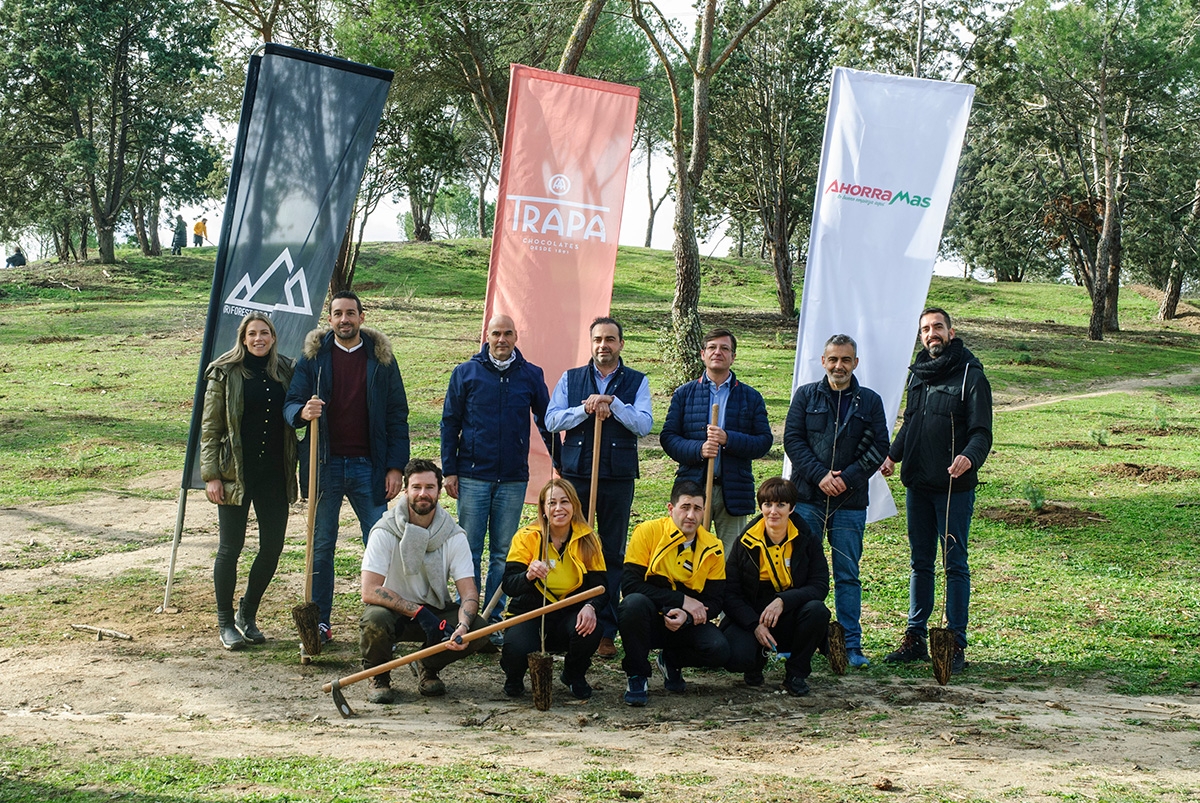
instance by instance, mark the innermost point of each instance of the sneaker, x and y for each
(959, 662)
(795, 686)
(672, 677)
(913, 647)
(857, 659)
(636, 693)
(380, 690)
(428, 682)
(514, 688)
(580, 688)
(497, 639)
(754, 678)
(326, 633)
(607, 649)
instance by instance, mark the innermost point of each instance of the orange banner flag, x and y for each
(567, 142)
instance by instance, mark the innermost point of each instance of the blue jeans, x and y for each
(926, 527)
(845, 531)
(492, 509)
(340, 478)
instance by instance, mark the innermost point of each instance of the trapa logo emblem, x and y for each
(559, 185)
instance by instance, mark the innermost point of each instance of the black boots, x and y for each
(244, 622)
(231, 639)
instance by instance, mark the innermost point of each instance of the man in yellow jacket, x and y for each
(673, 585)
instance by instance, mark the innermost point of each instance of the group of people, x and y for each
(179, 236)
(728, 597)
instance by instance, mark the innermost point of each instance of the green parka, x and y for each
(221, 432)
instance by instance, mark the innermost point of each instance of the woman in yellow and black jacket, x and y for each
(776, 583)
(573, 562)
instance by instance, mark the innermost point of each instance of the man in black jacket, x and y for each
(945, 437)
(836, 437)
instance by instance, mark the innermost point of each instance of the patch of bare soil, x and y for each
(1051, 514)
(1151, 473)
(1155, 432)
(173, 691)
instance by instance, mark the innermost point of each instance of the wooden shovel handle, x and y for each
(708, 480)
(592, 494)
(482, 632)
(313, 437)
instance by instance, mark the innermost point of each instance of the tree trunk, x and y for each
(106, 244)
(139, 227)
(577, 43)
(1111, 324)
(343, 269)
(1171, 293)
(785, 289)
(83, 238)
(152, 225)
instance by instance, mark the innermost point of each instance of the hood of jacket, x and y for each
(317, 338)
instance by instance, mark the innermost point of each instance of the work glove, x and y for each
(435, 628)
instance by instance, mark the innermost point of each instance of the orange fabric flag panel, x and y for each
(563, 172)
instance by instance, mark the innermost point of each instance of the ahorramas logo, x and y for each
(876, 195)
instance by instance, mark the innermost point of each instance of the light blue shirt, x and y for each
(638, 417)
(718, 395)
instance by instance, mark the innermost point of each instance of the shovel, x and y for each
(308, 616)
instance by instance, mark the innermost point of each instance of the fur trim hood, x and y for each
(315, 339)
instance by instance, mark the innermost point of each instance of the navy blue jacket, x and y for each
(387, 406)
(749, 438)
(813, 431)
(485, 418)
(618, 446)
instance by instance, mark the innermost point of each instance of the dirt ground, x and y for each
(171, 690)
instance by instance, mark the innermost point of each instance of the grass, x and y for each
(97, 392)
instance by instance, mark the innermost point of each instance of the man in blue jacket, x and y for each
(740, 436)
(836, 437)
(347, 376)
(485, 444)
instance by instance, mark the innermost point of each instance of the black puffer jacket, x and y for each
(948, 413)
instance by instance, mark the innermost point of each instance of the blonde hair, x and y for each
(236, 356)
(589, 543)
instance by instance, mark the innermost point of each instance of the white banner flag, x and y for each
(888, 161)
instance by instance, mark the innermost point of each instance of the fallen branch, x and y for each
(101, 632)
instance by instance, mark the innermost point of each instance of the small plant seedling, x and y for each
(1098, 436)
(1034, 495)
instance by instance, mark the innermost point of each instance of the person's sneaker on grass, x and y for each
(913, 647)
(857, 659)
(636, 692)
(959, 662)
(326, 633)
(672, 676)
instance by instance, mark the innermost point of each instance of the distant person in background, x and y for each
(180, 239)
(200, 232)
(17, 260)
(247, 454)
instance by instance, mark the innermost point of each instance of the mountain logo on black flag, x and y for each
(293, 297)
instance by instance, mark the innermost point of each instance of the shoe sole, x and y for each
(636, 703)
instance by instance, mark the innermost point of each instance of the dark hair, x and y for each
(778, 490)
(936, 311)
(419, 465)
(613, 321)
(687, 488)
(345, 294)
(714, 334)
(842, 340)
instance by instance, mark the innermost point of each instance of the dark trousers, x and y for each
(561, 636)
(268, 493)
(643, 629)
(380, 628)
(614, 500)
(799, 632)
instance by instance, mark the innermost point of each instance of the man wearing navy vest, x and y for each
(740, 436)
(620, 397)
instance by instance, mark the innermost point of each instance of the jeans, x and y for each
(845, 531)
(725, 525)
(614, 500)
(494, 509)
(926, 527)
(341, 477)
(268, 493)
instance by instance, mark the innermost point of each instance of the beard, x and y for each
(936, 348)
(422, 505)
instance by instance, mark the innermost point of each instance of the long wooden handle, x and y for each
(313, 437)
(595, 473)
(708, 480)
(482, 632)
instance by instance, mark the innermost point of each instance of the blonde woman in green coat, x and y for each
(247, 455)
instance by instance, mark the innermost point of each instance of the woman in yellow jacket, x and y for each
(573, 562)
